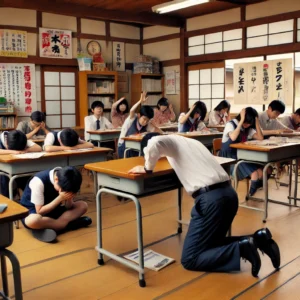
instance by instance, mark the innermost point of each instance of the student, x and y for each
(268, 119)
(292, 121)
(119, 112)
(193, 119)
(66, 139)
(35, 126)
(164, 112)
(244, 127)
(136, 123)
(49, 199)
(206, 247)
(96, 121)
(221, 114)
(15, 142)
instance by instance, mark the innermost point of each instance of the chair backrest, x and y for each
(217, 144)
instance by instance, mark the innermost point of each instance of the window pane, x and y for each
(205, 91)
(197, 50)
(218, 91)
(281, 38)
(194, 91)
(257, 30)
(67, 79)
(233, 45)
(205, 76)
(68, 93)
(214, 48)
(52, 93)
(68, 120)
(51, 78)
(260, 41)
(194, 77)
(68, 107)
(218, 75)
(281, 26)
(213, 38)
(53, 122)
(232, 34)
(52, 107)
(207, 103)
(196, 40)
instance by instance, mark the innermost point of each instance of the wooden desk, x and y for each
(206, 138)
(269, 155)
(220, 128)
(115, 180)
(133, 142)
(169, 127)
(13, 212)
(104, 135)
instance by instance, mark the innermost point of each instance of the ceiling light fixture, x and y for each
(175, 5)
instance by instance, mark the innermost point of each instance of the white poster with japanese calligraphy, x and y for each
(118, 56)
(170, 83)
(240, 80)
(254, 79)
(55, 43)
(17, 85)
(13, 43)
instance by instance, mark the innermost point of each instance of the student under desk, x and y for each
(259, 151)
(114, 179)
(12, 213)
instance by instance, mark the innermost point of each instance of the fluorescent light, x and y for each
(175, 5)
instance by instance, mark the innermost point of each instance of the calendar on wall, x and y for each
(17, 85)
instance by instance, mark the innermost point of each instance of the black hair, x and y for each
(250, 116)
(125, 102)
(145, 140)
(297, 112)
(201, 109)
(16, 140)
(223, 105)
(277, 105)
(147, 111)
(97, 104)
(69, 179)
(162, 102)
(69, 137)
(38, 116)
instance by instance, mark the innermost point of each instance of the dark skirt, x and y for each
(246, 169)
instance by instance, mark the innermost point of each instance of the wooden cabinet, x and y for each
(8, 121)
(95, 86)
(152, 83)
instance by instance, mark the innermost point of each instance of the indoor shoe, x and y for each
(248, 251)
(79, 223)
(44, 235)
(255, 185)
(266, 244)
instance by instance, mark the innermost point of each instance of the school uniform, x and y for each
(26, 128)
(40, 191)
(92, 123)
(269, 124)
(206, 247)
(118, 119)
(288, 122)
(53, 139)
(215, 118)
(131, 127)
(244, 169)
(163, 117)
(20, 182)
(190, 124)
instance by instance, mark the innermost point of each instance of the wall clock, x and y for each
(93, 47)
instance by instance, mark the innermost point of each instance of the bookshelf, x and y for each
(152, 83)
(8, 120)
(95, 86)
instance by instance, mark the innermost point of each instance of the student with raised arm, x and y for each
(137, 123)
(163, 113)
(66, 139)
(268, 119)
(206, 247)
(193, 119)
(119, 112)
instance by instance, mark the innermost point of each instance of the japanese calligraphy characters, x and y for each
(13, 43)
(118, 56)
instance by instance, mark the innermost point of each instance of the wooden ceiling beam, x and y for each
(94, 12)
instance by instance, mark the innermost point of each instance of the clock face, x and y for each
(93, 47)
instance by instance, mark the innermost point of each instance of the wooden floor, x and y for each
(68, 269)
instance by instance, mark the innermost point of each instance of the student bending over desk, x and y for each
(292, 121)
(67, 139)
(136, 123)
(15, 142)
(206, 247)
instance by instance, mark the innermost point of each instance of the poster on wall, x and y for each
(118, 56)
(17, 85)
(262, 82)
(55, 43)
(170, 83)
(13, 43)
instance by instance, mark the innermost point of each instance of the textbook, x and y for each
(152, 259)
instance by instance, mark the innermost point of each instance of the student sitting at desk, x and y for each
(193, 119)
(244, 127)
(164, 112)
(136, 123)
(49, 199)
(119, 112)
(67, 139)
(96, 121)
(221, 114)
(206, 247)
(292, 121)
(15, 142)
(268, 119)
(36, 125)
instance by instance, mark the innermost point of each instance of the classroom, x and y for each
(149, 149)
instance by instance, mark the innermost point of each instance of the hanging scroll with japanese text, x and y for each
(13, 43)
(17, 85)
(118, 56)
(262, 82)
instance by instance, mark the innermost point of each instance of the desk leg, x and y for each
(296, 182)
(266, 190)
(290, 182)
(99, 225)
(179, 197)
(95, 182)
(4, 275)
